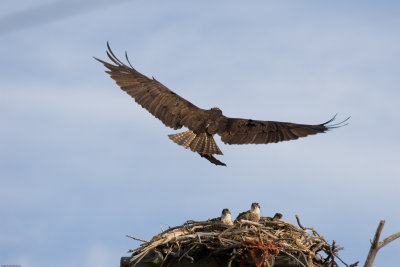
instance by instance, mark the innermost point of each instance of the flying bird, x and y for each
(251, 215)
(202, 124)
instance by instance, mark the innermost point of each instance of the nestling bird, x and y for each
(251, 215)
(277, 217)
(176, 112)
(226, 217)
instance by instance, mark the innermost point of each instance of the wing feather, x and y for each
(161, 102)
(244, 131)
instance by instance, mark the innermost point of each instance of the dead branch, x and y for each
(376, 245)
(389, 239)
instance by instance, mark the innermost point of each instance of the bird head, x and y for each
(226, 217)
(255, 207)
(277, 216)
(226, 211)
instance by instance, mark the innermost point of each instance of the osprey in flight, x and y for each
(176, 112)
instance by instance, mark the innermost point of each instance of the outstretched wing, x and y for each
(164, 104)
(243, 131)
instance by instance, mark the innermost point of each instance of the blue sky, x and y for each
(82, 165)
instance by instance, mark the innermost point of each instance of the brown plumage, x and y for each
(277, 217)
(251, 215)
(226, 217)
(176, 112)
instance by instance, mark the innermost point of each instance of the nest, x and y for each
(265, 243)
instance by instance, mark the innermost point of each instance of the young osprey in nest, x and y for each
(251, 215)
(176, 112)
(226, 217)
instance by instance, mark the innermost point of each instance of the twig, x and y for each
(138, 239)
(342, 261)
(317, 247)
(298, 222)
(306, 228)
(186, 254)
(332, 248)
(294, 257)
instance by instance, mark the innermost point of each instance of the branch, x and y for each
(376, 245)
(389, 239)
(298, 222)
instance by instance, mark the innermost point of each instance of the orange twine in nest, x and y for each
(252, 246)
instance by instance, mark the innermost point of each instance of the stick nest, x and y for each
(264, 243)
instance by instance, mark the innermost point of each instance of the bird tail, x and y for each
(202, 143)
